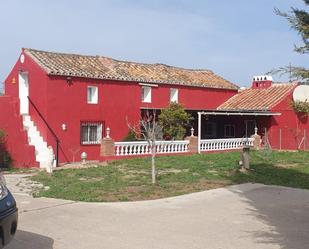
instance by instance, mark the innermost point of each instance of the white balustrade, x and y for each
(143, 148)
(225, 144)
(179, 146)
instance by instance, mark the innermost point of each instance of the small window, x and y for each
(174, 95)
(146, 94)
(229, 131)
(210, 130)
(91, 132)
(92, 95)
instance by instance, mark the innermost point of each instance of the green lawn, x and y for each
(131, 179)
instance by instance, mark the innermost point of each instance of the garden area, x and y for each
(130, 180)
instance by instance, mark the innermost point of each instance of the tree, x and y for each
(299, 21)
(148, 129)
(173, 121)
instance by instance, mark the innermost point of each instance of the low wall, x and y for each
(111, 150)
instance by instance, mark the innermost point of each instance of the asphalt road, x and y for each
(239, 217)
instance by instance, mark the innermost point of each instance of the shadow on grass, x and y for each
(269, 174)
(285, 210)
(28, 240)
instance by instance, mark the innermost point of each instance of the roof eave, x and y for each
(139, 80)
(240, 113)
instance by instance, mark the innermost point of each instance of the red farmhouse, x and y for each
(67, 101)
(61, 104)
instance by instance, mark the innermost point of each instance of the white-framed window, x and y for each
(92, 95)
(229, 130)
(146, 94)
(174, 95)
(91, 132)
(210, 130)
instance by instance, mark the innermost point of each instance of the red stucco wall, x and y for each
(67, 104)
(16, 136)
(293, 126)
(119, 103)
(192, 98)
(37, 89)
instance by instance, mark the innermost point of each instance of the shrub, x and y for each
(173, 120)
(5, 157)
(130, 136)
(301, 106)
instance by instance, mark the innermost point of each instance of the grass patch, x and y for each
(130, 180)
(19, 170)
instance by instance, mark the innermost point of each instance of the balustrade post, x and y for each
(193, 144)
(257, 140)
(107, 145)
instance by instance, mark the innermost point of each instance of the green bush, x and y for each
(130, 136)
(301, 106)
(173, 120)
(5, 157)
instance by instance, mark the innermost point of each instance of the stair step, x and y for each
(32, 130)
(39, 146)
(28, 123)
(26, 118)
(44, 164)
(41, 158)
(42, 153)
(38, 140)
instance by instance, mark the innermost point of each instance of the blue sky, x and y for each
(236, 39)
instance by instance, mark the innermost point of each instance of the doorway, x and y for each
(23, 84)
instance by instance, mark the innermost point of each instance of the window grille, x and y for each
(91, 132)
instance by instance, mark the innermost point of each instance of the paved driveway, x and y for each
(239, 217)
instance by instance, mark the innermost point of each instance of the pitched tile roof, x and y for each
(258, 99)
(99, 67)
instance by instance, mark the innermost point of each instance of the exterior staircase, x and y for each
(42, 153)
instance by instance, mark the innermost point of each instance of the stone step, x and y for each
(40, 158)
(42, 153)
(37, 141)
(43, 164)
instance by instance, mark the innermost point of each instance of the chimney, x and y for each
(262, 81)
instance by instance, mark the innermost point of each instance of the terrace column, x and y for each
(199, 132)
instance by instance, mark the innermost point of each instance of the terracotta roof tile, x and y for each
(99, 67)
(255, 99)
